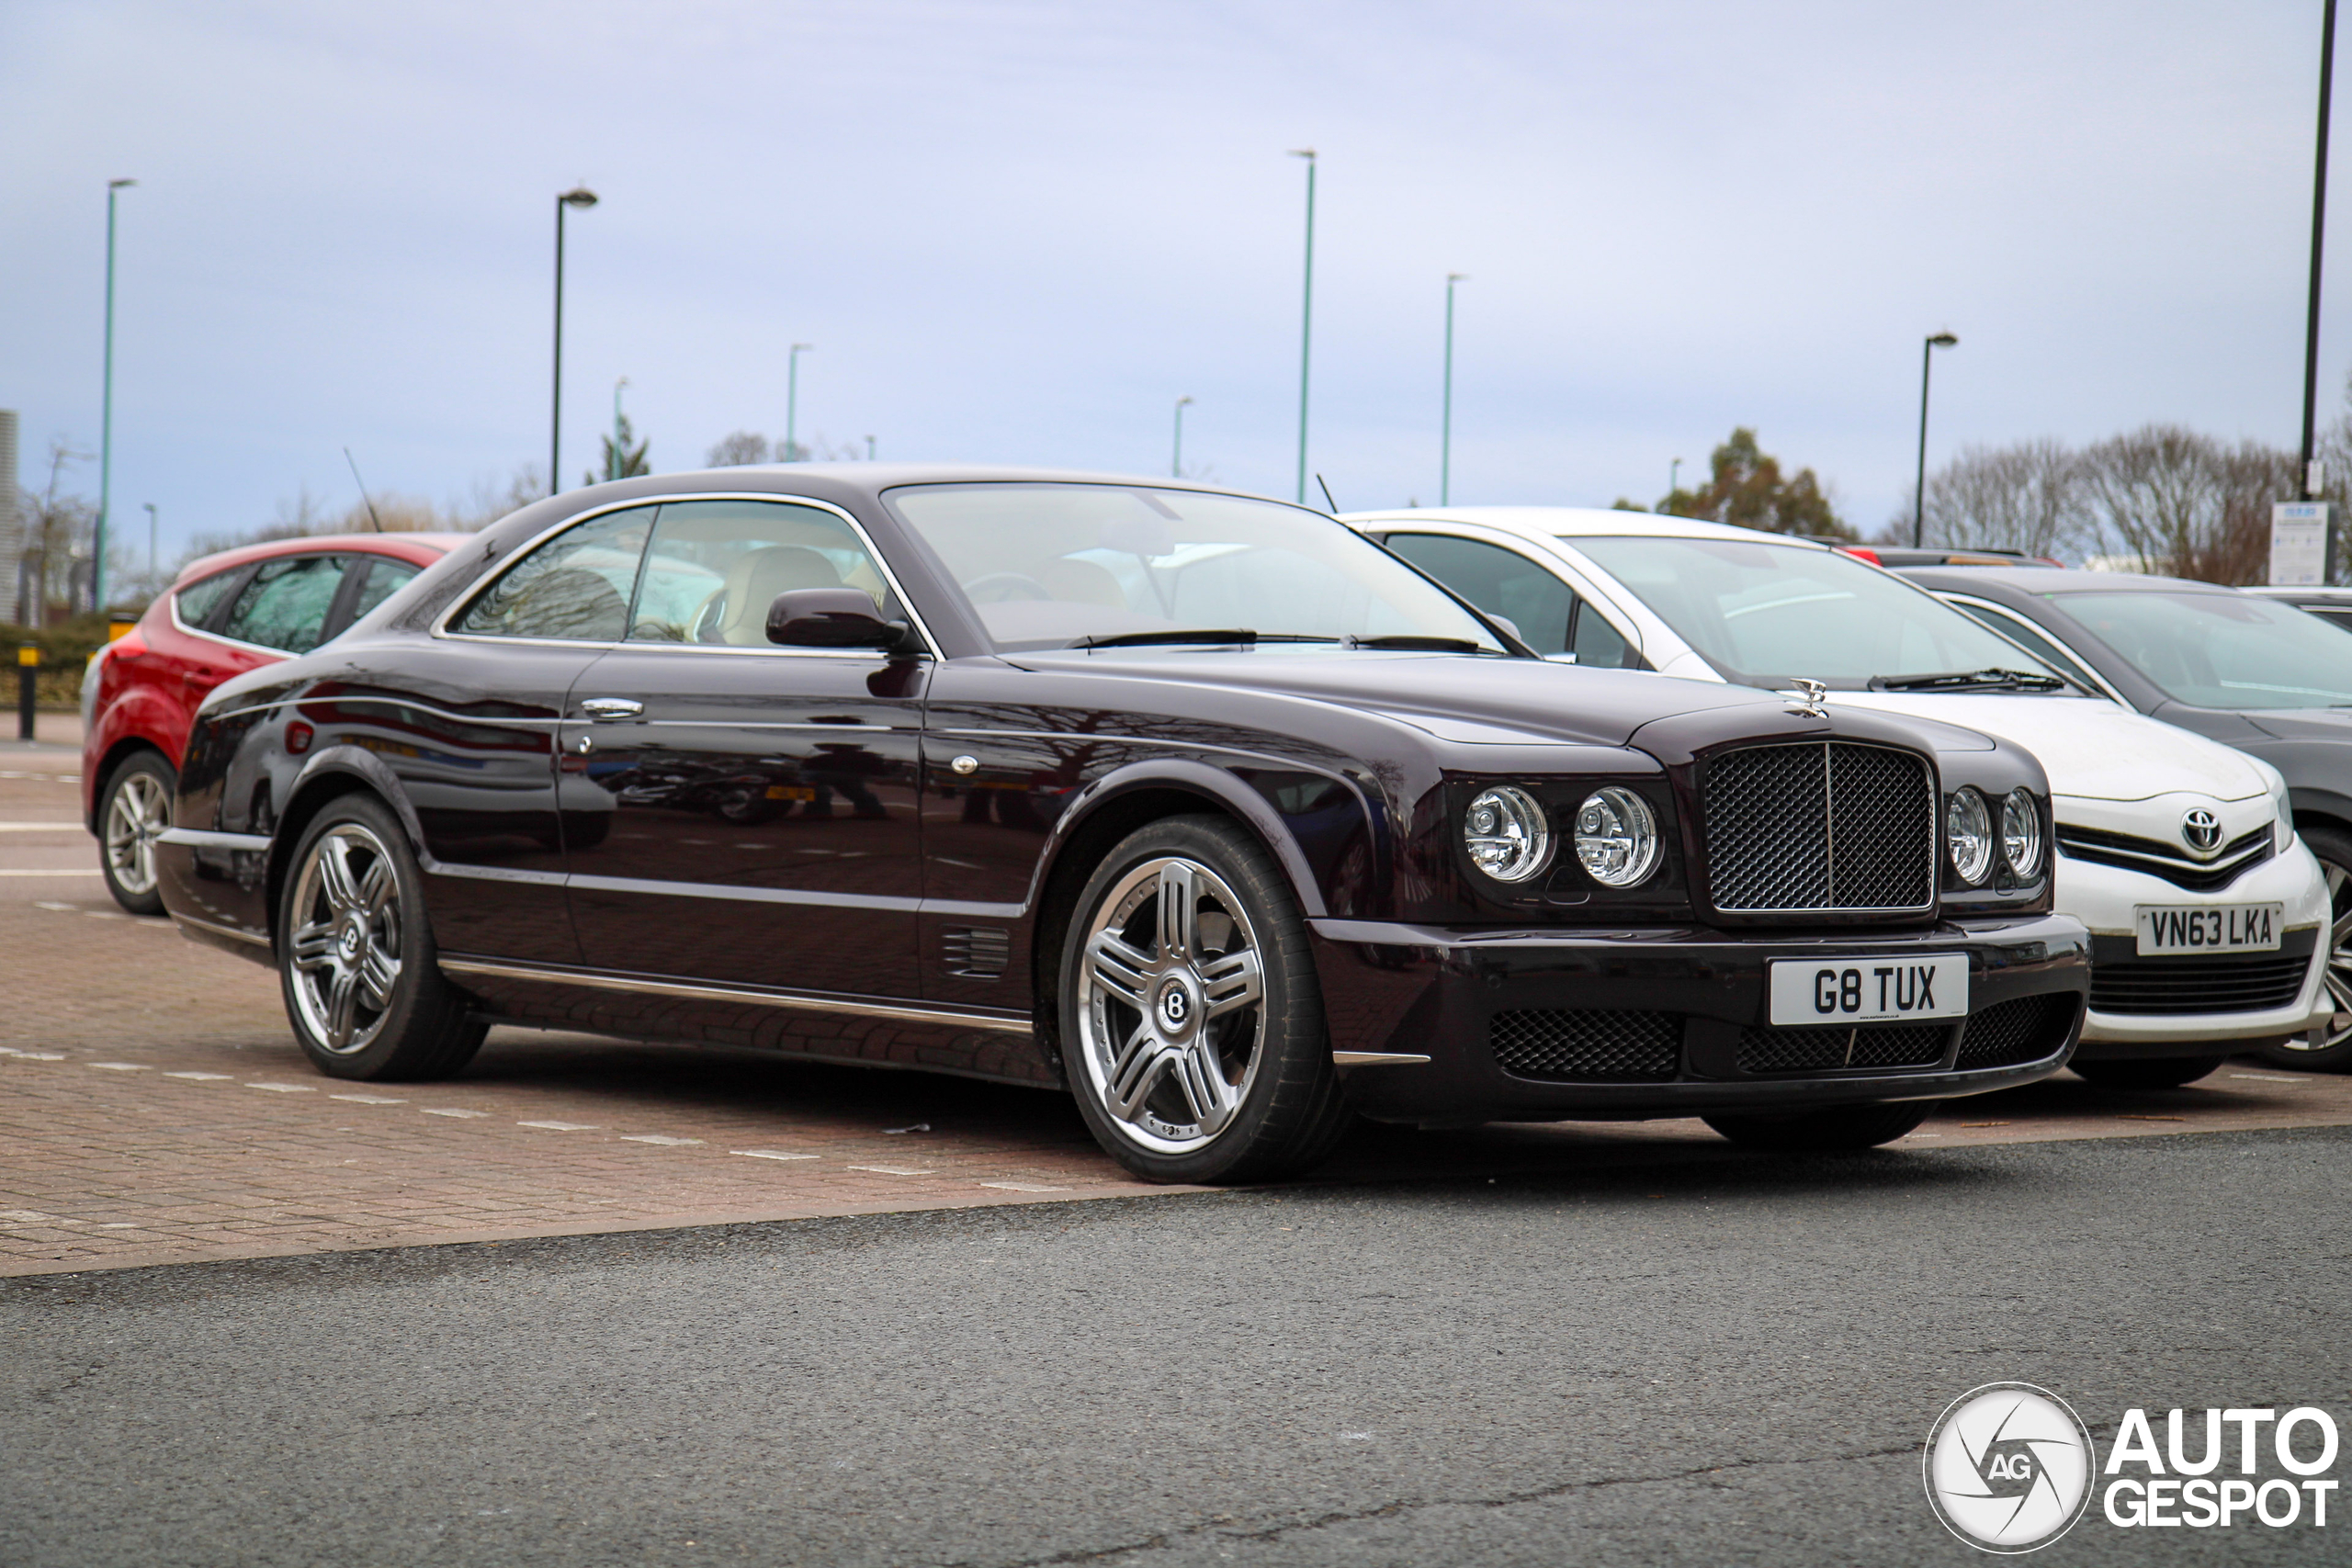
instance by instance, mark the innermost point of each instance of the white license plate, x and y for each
(2209, 928)
(1868, 990)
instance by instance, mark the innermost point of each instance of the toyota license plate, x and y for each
(2209, 928)
(1868, 990)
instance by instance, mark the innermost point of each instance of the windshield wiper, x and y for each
(1410, 642)
(1212, 636)
(1969, 681)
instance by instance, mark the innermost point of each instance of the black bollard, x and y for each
(28, 667)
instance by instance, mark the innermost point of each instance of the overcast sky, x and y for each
(1016, 230)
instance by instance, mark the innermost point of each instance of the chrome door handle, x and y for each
(607, 708)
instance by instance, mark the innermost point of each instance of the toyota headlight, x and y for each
(2021, 834)
(1616, 835)
(1506, 835)
(1968, 835)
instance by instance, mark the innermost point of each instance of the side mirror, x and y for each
(830, 617)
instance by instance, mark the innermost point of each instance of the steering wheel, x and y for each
(998, 587)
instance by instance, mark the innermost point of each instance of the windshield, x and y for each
(1053, 565)
(2223, 650)
(1765, 613)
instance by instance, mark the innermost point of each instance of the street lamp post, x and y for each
(869, 448)
(792, 401)
(1673, 477)
(1305, 317)
(1919, 486)
(151, 537)
(2309, 487)
(1445, 421)
(580, 196)
(106, 421)
(1176, 460)
(619, 458)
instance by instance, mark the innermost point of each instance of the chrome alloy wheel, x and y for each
(138, 813)
(2339, 961)
(344, 956)
(1171, 1005)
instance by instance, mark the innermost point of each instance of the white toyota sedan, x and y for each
(2208, 915)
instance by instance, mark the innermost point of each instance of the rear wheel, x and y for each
(2151, 1072)
(133, 812)
(1192, 1017)
(1830, 1127)
(355, 958)
(2332, 1052)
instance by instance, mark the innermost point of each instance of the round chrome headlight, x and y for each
(1968, 834)
(1506, 835)
(1616, 838)
(2021, 833)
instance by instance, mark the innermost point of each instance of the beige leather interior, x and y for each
(754, 582)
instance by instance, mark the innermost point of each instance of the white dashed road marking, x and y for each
(119, 1067)
(559, 1126)
(431, 1112)
(658, 1138)
(2268, 1078)
(890, 1170)
(200, 1077)
(769, 1154)
(367, 1099)
(1017, 1186)
(16, 872)
(285, 1088)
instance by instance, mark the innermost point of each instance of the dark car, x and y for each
(1195, 804)
(2332, 606)
(225, 614)
(2247, 670)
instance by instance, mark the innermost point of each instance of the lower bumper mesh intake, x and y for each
(2023, 1028)
(1587, 1046)
(1870, 1045)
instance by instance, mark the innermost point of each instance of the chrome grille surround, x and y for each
(1821, 827)
(2176, 866)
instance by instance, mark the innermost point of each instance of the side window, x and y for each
(2019, 630)
(200, 599)
(385, 578)
(575, 587)
(285, 605)
(1598, 644)
(2334, 617)
(1502, 583)
(715, 567)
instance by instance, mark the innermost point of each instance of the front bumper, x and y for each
(1438, 992)
(2104, 899)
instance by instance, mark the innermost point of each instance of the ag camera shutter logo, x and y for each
(2008, 1467)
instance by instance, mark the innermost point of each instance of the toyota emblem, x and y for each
(2201, 830)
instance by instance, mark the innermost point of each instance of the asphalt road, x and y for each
(1730, 1359)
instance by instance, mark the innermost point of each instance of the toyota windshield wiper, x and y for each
(1215, 635)
(1969, 681)
(1409, 642)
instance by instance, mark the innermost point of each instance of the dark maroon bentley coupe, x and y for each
(1197, 805)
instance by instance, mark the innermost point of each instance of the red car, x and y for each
(226, 615)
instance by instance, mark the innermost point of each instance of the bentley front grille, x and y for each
(2021, 1030)
(1869, 1045)
(1587, 1046)
(1820, 827)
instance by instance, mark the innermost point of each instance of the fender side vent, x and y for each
(977, 953)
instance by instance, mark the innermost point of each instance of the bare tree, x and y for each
(2158, 494)
(2027, 496)
(737, 449)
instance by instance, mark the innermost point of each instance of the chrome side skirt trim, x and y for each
(1375, 1059)
(790, 1000)
(205, 839)
(232, 933)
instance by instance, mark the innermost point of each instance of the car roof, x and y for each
(2314, 593)
(1581, 522)
(422, 549)
(2042, 581)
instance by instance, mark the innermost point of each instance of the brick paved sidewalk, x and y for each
(153, 1109)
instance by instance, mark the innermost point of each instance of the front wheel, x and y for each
(1191, 1018)
(356, 957)
(2148, 1072)
(135, 811)
(1830, 1127)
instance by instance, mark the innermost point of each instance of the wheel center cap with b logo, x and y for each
(352, 938)
(2201, 830)
(1178, 1007)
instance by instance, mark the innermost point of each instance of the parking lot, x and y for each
(158, 1111)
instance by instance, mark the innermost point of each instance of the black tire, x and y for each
(1829, 1127)
(2333, 1051)
(355, 963)
(135, 806)
(1275, 1107)
(2147, 1072)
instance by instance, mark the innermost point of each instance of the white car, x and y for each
(2206, 912)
